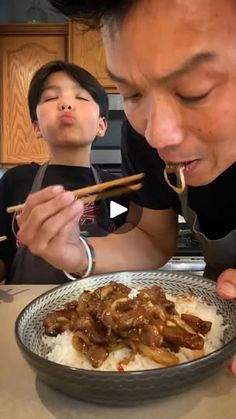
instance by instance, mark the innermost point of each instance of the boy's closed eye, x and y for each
(82, 98)
(48, 98)
(51, 98)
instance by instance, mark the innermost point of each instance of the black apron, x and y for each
(219, 254)
(30, 269)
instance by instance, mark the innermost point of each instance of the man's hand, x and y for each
(226, 288)
(49, 227)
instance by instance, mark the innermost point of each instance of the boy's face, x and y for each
(175, 64)
(67, 115)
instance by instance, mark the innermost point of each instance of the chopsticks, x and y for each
(100, 191)
(109, 194)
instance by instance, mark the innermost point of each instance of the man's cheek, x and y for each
(137, 123)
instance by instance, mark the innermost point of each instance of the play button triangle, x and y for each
(116, 209)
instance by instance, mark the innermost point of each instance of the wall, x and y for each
(6, 11)
(15, 11)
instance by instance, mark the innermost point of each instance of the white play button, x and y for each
(116, 209)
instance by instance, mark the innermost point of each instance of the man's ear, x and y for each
(102, 127)
(37, 131)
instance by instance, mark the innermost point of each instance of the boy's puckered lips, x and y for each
(67, 118)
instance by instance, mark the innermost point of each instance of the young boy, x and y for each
(69, 109)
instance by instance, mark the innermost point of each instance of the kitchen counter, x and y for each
(23, 396)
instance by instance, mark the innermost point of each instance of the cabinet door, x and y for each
(23, 49)
(86, 50)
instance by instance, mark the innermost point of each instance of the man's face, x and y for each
(67, 115)
(174, 61)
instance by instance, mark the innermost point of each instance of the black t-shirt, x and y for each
(215, 203)
(15, 186)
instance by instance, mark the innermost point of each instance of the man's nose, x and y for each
(164, 124)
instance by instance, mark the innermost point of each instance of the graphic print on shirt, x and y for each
(89, 214)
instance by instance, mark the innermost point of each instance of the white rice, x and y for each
(60, 348)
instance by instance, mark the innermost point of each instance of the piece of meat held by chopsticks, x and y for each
(178, 169)
(3, 238)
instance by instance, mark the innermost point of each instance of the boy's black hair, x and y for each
(85, 79)
(93, 13)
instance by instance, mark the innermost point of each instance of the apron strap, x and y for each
(37, 183)
(96, 175)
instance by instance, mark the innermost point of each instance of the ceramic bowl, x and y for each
(123, 388)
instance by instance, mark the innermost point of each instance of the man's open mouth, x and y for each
(178, 169)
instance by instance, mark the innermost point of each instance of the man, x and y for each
(175, 64)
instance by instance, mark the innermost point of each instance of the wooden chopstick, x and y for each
(109, 194)
(105, 185)
(94, 189)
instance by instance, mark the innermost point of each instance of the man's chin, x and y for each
(199, 180)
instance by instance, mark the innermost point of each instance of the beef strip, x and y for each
(59, 321)
(197, 324)
(181, 337)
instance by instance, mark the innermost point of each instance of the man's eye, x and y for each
(193, 99)
(133, 98)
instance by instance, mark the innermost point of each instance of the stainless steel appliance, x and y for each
(194, 264)
(106, 151)
(188, 255)
(116, 102)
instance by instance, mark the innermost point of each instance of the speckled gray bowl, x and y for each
(115, 388)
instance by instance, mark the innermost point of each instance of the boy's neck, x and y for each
(70, 157)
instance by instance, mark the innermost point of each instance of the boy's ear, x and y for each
(36, 129)
(102, 127)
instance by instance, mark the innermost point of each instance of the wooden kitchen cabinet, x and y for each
(86, 49)
(23, 49)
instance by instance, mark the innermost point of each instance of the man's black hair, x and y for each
(93, 13)
(85, 79)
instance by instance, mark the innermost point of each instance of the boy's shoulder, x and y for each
(105, 175)
(20, 172)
